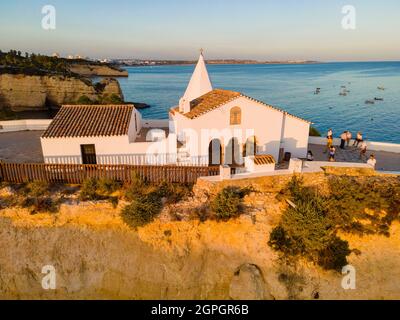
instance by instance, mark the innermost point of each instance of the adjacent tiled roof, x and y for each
(90, 121)
(219, 97)
(210, 101)
(262, 159)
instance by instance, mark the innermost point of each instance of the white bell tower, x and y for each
(199, 85)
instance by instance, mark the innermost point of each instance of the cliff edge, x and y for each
(96, 255)
(21, 92)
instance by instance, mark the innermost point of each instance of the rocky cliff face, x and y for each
(97, 70)
(96, 255)
(22, 92)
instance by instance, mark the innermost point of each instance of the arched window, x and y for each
(236, 116)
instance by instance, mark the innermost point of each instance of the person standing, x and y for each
(363, 150)
(343, 138)
(329, 142)
(330, 133)
(332, 152)
(372, 161)
(358, 140)
(348, 138)
(310, 156)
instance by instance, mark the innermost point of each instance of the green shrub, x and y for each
(136, 188)
(114, 201)
(46, 204)
(280, 241)
(107, 186)
(36, 188)
(89, 190)
(84, 100)
(334, 255)
(173, 192)
(314, 132)
(36, 196)
(228, 202)
(98, 189)
(310, 229)
(143, 211)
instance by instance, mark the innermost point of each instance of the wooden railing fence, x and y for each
(77, 173)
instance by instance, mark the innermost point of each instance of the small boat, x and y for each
(381, 88)
(378, 99)
(369, 102)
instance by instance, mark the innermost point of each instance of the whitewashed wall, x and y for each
(266, 122)
(109, 150)
(23, 125)
(295, 137)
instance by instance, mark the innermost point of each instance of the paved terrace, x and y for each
(21, 147)
(24, 147)
(385, 161)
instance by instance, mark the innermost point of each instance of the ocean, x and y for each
(289, 87)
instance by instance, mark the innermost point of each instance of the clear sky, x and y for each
(176, 29)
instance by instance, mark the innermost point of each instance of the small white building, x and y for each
(208, 127)
(105, 134)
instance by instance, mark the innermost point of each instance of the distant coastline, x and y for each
(135, 62)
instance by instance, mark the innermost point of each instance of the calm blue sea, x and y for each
(290, 87)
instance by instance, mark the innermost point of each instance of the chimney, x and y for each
(184, 105)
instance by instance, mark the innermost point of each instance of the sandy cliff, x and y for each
(97, 256)
(23, 92)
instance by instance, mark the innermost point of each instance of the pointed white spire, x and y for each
(199, 85)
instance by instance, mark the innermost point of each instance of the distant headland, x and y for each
(138, 62)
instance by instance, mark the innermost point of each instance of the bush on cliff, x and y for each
(99, 189)
(170, 192)
(229, 202)
(142, 211)
(89, 190)
(84, 100)
(362, 205)
(307, 229)
(36, 196)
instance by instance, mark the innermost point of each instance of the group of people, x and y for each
(345, 140)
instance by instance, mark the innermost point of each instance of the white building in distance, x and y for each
(207, 127)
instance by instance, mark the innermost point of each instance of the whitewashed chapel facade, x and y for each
(227, 125)
(208, 126)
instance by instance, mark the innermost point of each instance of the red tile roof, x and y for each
(90, 121)
(219, 97)
(262, 159)
(210, 101)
